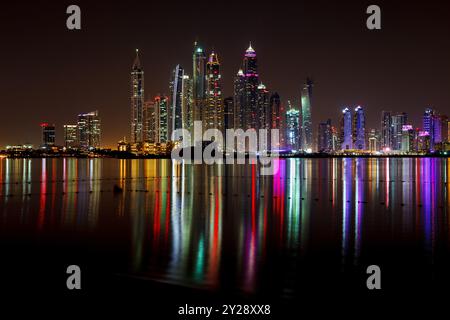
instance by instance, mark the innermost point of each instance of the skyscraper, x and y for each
(386, 138)
(325, 137)
(346, 129)
(198, 81)
(278, 120)
(428, 126)
(213, 112)
(161, 119)
(149, 121)
(48, 134)
(239, 100)
(374, 143)
(359, 127)
(293, 127)
(70, 135)
(397, 123)
(250, 69)
(228, 113)
(187, 105)
(175, 112)
(263, 109)
(306, 99)
(89, 131)
(137, 101)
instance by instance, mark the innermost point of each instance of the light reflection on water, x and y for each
(216, 226)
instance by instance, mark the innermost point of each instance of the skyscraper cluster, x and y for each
(84, 135)
(200, 98)
(253, 106)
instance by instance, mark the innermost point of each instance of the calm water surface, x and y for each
(227, 229)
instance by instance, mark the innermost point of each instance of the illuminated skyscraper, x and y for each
(213, 112)
(228, 113)
(239, 100)
(175, 112)
(70, 135)
(161, 119)
(346, 129)
(89, 130)
(48, 134)
(374, 141)
(187, 104)
(293, 127)
(264, 114)
(359, 127)
(137, 101)
(198, 81)
(250, 69)
(307, 133)
(386, 131)
(149, 121)
(278, 120)
(428, 126)
(397, 123)
(408, 138)
(325, 137)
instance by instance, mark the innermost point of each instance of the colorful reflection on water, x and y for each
(224, 226)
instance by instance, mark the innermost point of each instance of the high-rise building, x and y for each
(250, 69)
(198, 81)
(397, 123)
(89, 131)
(239, 100)
(346, 129)
(48, 134)
(175, 111)
(386, 138)
(374, 141)
(408, 138)
(228, 113)
(137, 101)
(213, 112)
(359, 129)
(70, 135)
(335, 142)
(325, 137)
(187, 105)
(307, 132)
(149, 121)
(264, 113)
(278, 120)
(293, 127)
(428, 126)
(161, 119)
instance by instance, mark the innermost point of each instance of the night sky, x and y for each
(49, 73)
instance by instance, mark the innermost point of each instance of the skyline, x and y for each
(338, 81)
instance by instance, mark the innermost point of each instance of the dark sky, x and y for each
(49, 73)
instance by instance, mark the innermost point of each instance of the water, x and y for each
(224, 229)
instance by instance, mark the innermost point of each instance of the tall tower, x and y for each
(161, 119)
(359, 129)
(198, 81)
(89, 131)
(397, 123)
(386, 132)
(187, 103)
(239, 100)
(278, 119)
(175, 112)
(293, 127)
(137, 101)
(307, 132)
(264, 114)
(251, 89)
(346, 129)
(213, 115)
